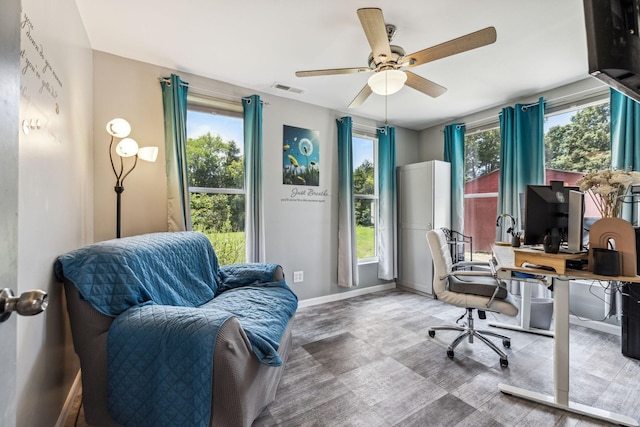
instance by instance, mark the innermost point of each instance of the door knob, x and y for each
(27, 304)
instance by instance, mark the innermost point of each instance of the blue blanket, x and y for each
(178, 269)
(161, 288)
(263, 310)
(175, 345)
(160, 365)
(237, 275)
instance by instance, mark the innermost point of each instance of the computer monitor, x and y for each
(575, 230)
(547, 209)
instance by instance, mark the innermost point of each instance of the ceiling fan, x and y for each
(388, 61)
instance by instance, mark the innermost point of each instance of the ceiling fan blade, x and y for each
(376, 31)
(423, 85)
(361, 97)
(333, 71)
(461, 44)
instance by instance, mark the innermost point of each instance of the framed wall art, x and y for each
(301, 156)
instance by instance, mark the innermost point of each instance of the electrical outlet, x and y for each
(298, 276)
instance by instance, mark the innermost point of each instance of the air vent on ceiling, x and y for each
(287, 88)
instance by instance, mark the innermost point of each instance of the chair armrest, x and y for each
(477, 265)
(492, 274)
(238, 275)
(471, 273)
(471, 263)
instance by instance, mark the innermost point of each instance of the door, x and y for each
(9, 131)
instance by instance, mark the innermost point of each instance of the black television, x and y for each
(546, 209)
(613, 43)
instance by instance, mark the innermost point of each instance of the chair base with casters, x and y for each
(469, 331)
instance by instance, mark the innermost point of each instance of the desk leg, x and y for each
(525, 304)
(525, 315)
(560, 399)
(561, 342)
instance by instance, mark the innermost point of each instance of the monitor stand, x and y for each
(566, 250)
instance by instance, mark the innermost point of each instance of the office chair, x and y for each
(480, 290)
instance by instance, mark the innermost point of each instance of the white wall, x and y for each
(299, 235)
(55, 194)
(130, 90)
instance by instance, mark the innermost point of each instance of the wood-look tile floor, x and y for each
(368, 361)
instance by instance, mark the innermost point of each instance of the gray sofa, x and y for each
(242, 383)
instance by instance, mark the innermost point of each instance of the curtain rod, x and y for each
(362, 125)
(168, 81)
(593, 92)
(203, 91)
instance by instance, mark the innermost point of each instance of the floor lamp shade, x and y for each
(120, 128)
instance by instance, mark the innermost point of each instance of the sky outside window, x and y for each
(362, 150)
(229, 128)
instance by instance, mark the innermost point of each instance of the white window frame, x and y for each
(375, 197)
(221, 108)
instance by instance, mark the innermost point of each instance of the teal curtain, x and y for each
(174, 102)
(347, 252)
(454, 154)
(521, 156)
(254, 231)
(387, 210)
(625, 141)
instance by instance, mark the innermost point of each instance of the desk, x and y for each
(525, 307)
(505, 258)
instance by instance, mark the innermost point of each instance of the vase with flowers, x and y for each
(610, 235)
(607, 189)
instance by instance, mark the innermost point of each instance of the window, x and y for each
(365, 193)
(215, 167)
(577, 141)
(481, 178)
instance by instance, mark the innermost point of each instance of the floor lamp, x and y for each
(127, 147)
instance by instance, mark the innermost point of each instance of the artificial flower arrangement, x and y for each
(607, 189)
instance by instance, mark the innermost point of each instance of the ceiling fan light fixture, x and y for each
(387, 82)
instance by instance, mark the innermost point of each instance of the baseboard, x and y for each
(598, 326)
(71, 397)
(345, 295)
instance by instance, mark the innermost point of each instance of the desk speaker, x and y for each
(606, 262)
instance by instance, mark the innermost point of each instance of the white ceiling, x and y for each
(541, 45)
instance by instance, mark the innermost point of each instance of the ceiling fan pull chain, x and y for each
(386, 121)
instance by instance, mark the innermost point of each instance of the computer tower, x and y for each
(637, 250)
(631, 320)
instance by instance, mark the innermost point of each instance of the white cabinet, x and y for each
(424, 203)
